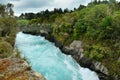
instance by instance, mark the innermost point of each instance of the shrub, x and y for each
(6, 49)
(22, 23)
(8, 26)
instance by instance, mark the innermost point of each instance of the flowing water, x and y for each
(47, 59)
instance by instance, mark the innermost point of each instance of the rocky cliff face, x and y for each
(17, 69)
(76, 50)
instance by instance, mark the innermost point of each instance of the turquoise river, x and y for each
(44, 57)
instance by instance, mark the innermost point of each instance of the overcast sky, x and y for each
(23, 6)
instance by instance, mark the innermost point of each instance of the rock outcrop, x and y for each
(101, 68)
(17, 69)
(76, 50)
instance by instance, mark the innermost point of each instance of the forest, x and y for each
(97, 25)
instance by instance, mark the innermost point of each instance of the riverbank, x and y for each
(81, 59)
(12, 67)
(17, 69)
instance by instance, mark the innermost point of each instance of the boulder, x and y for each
(76, 45)
(85, 62)
(58, 44)
(100, 68)
(68, 51)
(75, 49)
(17, 69)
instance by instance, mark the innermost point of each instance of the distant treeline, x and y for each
(48, 16)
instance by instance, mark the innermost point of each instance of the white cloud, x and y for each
(23, 6)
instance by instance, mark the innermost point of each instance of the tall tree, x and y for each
(66, 10)
(95, 1)
(9, 10)
(22, 16)
(99, 1)
(81, 7)
(2, 10)
(60, 10)
(112, 1)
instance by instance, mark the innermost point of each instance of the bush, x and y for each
(8, 26)
(6, 49)
(97, 51)
(22, 23)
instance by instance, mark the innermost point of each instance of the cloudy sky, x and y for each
(23, 6)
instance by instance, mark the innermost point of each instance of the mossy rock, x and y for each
(6, 50)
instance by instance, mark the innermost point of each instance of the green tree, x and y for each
(6, 10)
(95, 1)
(2, 10)
(9, 10)
(66, 10)
(112, 1)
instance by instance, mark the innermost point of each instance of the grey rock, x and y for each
(69, 51)
(77, 46)
(99, 67)
(85, 62)
(58, 44)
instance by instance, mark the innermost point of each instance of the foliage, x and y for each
(22, 23)
(6, 10)
(8, 26)
(97, 52)
(6, 49)
(8, 29)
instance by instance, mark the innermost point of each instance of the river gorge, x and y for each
(44, 57)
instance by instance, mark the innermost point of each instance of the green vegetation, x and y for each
(96, 24)
(6, 50)
(22, 23)
(8, 26)
(8, 29)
